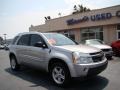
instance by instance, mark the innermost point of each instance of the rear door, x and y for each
(22, 48)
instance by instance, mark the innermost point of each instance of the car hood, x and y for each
(79, 48)
(101, 46)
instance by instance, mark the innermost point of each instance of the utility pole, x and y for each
(4, 38)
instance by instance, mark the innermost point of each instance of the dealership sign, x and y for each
(97, 17)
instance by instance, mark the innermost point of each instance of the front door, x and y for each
(37, 55)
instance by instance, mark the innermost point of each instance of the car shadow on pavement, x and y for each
(42, 79)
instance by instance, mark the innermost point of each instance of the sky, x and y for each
(17, 16)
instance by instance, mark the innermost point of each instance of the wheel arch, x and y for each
(57, 60)
(11, 55)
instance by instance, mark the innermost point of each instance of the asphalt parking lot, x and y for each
(30, 79)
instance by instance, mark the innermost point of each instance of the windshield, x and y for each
(58, 39)
(96, 42)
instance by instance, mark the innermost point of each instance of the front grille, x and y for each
(97, 57)
(105, 50)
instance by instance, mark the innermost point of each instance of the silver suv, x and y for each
(56, 54)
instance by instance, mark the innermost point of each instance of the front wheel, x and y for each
(14, 64)
(60, 74)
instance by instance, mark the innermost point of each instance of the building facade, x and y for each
(101, 24)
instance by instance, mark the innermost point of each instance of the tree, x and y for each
(59, 14)
(80, 9)
(75, 8)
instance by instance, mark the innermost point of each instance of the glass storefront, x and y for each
(118, 31)
(91, 33)
(70, 34)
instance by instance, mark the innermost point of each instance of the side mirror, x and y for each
(40, 44)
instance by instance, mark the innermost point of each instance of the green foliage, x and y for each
(79, 9)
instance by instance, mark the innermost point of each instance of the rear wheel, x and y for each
(13, 63)
(60, 74)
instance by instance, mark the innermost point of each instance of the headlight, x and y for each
(85, 60)
(81, 58)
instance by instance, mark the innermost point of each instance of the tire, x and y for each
(60, 74)
(14, 64)
(109, 57)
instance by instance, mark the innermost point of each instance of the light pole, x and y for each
(5, 38)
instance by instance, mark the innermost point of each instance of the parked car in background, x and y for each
(1, 46)
(101, 45)
(116, 47)
(6, 46)
(56, 54)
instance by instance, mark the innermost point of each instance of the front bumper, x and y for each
(109, 54)
(92, 69)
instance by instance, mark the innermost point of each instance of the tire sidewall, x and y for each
(66, 71)
(16, 64)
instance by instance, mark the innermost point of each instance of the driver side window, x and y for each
(36, 38)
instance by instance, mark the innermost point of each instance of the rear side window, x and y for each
(24, 40)
(15, 39)
(35, 38)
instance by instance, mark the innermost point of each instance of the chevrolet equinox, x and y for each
(55, 53)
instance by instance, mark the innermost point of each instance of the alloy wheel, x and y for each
(58, 75)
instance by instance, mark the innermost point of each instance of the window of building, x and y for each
(66, 33)
(118, 27)
(92, 33)
(118, 31)
(70, 34)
